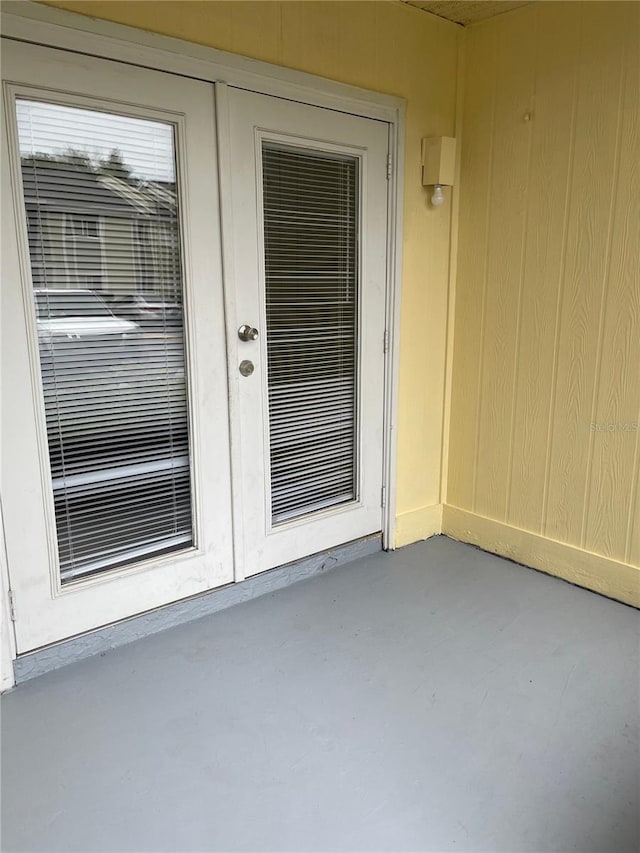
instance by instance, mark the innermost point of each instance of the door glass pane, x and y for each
(311, 272)
(104, 243)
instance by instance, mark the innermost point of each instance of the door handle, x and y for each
(247, 333)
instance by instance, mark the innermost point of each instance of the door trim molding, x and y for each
(395, 214)
(8, 649)
(55, 28)
(32, 22)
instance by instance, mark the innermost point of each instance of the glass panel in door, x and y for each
(310, 201)
(104, 244)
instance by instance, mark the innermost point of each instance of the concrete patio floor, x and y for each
(433, 699)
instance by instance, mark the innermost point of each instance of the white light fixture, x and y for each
(438, 165)
(437, 197)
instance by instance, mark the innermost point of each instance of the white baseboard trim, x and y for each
(605, 575)
(418, 524)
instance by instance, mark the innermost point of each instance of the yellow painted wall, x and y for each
(388, 47)
(547, 321)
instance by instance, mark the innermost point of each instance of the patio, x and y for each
(435, 698)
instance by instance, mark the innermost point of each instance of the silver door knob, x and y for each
(247, 333)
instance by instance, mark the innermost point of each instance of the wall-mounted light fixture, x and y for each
(438, 165)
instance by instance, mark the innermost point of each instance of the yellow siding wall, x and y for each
(391, 48)
(547, 323)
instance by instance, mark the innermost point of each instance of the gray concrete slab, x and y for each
(36, 663)
(433, 699)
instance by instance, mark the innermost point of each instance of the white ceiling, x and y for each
(466, 11)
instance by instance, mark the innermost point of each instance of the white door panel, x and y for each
(306, 239)
(141, 246)
(125, 417)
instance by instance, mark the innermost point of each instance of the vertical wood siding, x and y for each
(547, 328)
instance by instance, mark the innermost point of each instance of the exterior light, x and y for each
(437, 197)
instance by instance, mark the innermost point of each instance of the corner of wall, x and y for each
(453, 268)
(417, 524)
(604, 575)
(551, 90)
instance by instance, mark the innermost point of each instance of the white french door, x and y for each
(149, 452)
(305, 243)
(115, 465)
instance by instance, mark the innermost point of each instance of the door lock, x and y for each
(246, 368)
(247, 333)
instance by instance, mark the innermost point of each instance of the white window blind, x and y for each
(311, 271)
(102, 221)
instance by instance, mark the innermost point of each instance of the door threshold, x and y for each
(101, 640)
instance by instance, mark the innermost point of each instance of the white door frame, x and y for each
(34, 23)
